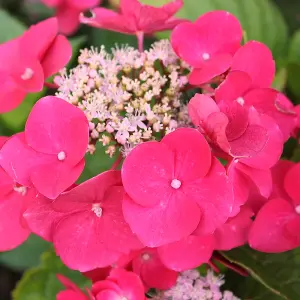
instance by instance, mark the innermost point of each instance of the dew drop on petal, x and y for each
(176, 184)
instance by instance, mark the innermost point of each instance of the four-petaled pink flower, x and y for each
(208, 44)
(68, 12)
(277, 225)
(175, 187)
(135, 17)
(24, 67)
(249, 81)
(92, 233)
(49, 155)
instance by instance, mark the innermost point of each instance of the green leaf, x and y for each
(16, 118)
(77, 43)
(280, 79)
(25, 256)
(293, 80)
(261, 20)
(10, 27)
(294, 49)
(41, 283)
(274, 276)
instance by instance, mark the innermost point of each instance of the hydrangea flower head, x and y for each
(53, 146)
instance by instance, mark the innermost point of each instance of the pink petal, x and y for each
(261, 178)
(235, 231)
(70, 295)
(41, 217)
(11, 96)
(251, 143)
(108, 295)
(51, 177)
(279, 172)
(48, 130)
(6, 183)
(87, 192)
(192, 154)
(83, 5)
(268, 233)
(3, 140)
(12, 231)
(255, 59)
(57, 56)
(171, 220)
(293, 229)
(214, 195)
(12, 156)
(275, 105)
(272, 151)
(147, 173)
(68, 19)
(151, 270)
(200, 107)
(210, 69)
(107, 19)
(81, 238)
(130, 284)
(233, 87)
(41, 36)
(221, 31)
(291, 183)
(187, 253)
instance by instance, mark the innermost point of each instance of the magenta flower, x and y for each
(154, 274)
(173, 188)
(24, 68)
(91, 211)
(208, 45)
(249, 81)
(68, 12)
(244, 134)
(277, 225)
(120, 284)
(49, 155)
(135, 17)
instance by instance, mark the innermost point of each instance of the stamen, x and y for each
(240, 100)
(176, 184)
(297, 209)
(205, 56)
(97, 210)
(146, 256)
(28, 73)
(61, 155)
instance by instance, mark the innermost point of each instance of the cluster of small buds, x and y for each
(128, 97)
(192, 286)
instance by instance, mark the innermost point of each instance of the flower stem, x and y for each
(117, 162)
(238, 269)
(50, 85)
(214, 267)
(140, 39)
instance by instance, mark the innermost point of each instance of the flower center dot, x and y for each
(297, 209)
(61, 155)
(28, 73)
(146, 256)
(240, 100)
(97, 210)
(205, 56)
(176, 184)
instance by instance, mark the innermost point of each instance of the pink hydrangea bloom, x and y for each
(277, 225)
(53, 145)
(68, 12)
(120, 284)
(249, 81)
(24, 68)
(135, 17)
(171, 189)
(208, 45)
(154, 274)
(91, 211)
